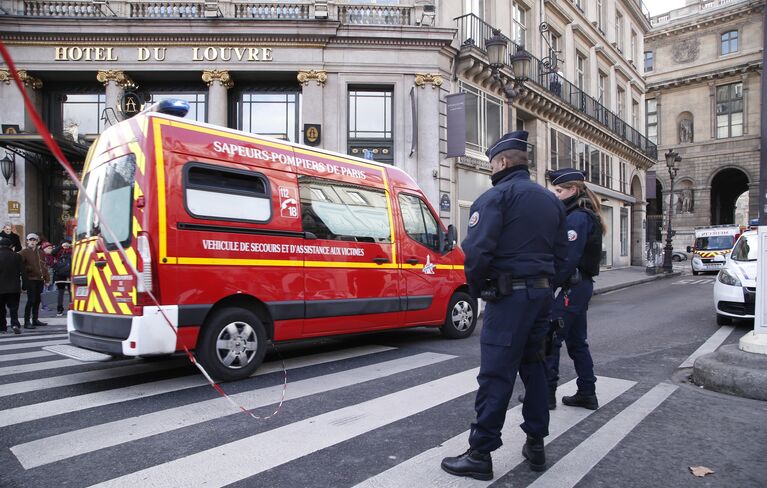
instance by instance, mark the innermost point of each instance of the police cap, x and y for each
(564, 175)
(513, 140)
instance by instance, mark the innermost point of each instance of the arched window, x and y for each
(729, 42)
(685, 127)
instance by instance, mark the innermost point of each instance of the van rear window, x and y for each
(344, 212)
(110, 186)
(226, 194)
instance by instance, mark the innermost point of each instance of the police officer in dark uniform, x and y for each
(515, 243)
(576, 279)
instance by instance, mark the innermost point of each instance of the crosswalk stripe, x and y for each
(41, 366)
(577, 463)
(424, 469)
(711, 345)
(140, 368)
(252, 455)
(24, 355)
(27, 337)
(89, 439)
(27, 345)
(50, 408)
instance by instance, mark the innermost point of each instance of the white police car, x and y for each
(735, 285)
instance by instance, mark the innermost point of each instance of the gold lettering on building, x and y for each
(143, 54)
(88, 53)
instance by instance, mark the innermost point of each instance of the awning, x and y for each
(34, 143)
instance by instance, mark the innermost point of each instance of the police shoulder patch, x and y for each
(474, 219)
(572, 235)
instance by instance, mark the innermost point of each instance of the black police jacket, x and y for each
(584, 234)
(12, 271)
(518, 228)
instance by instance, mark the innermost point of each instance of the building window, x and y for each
(651, 110)
(476, 7)
(562, 150)
(600, 15)
(484, 118)
(634, 113)
(196, 100)
(623, 177)
(271, 114)
(556, 48)
(607, 171)
(580, 71)
(579, 4)
(729, 42)
(621, 103)
(649, 61)
(634, 48)
(729, 110)
(594, 169)
(624, 231)
(81, 114)
(602, 89)
(619, 31)
(518, 24)
(370, 123)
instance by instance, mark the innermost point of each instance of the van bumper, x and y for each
(699, 265)
(145, 335)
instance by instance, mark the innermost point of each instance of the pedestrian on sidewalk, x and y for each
(584, 233)
(12, 273)
(515, 243)
(61, 273)
(37, 277)
(9, 234)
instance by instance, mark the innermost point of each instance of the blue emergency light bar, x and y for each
(170, 106)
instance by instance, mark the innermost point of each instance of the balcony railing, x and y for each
(475, 31)
(360, 14)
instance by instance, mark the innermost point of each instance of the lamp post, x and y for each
(672, 160)
(497, 53)
(8, 168)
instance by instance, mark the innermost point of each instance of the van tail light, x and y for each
(144, 283)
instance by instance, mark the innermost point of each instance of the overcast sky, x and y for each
(661, 6)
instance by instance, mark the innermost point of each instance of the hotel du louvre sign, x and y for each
(244, 54)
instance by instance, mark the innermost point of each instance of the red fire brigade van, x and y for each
(245, 240)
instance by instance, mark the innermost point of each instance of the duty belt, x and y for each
(522, 283)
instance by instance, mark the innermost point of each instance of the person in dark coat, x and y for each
(12, 274)
(515, 244)
(584, 233)
(9, 234)
(37, 276)
(61, 273)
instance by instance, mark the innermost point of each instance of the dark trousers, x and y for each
(34, 290)
(62, 287)
(10, 300)
(574, 335)
(512, 338)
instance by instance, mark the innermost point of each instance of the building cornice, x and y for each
(696, 23)
(559, 11)
(754, 66)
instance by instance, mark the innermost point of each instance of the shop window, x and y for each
(271, 114)
(484, 118)
(370, 132)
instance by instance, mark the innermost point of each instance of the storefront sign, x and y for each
(131, 104)
(456, 125)
(159, 54)
(312, 134)
(14, 208)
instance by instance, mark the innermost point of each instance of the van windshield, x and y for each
(713, 243)
(110, 186)
(746, 248)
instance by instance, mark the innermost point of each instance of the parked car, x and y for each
(678, 256)
(735, 285)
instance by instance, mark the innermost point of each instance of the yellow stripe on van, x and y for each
(221, 133)
(160, 167)
(103, 293)
(282, 263)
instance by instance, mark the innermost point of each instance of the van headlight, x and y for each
(696, 259)
(728, 278)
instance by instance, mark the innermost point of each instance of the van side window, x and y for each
(419, 223)
(344, 212)
(226, 194)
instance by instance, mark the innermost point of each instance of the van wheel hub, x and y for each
(462, 316)
(236, 345)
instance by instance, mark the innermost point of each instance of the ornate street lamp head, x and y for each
(497, 49)
(520, 64)
(8, 167)
(672, 160)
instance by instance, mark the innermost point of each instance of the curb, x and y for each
(732, 371)
(627, 284)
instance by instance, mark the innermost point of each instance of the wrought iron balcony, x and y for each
(474, 31)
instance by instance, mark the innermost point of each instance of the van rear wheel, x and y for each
(461, 317)
(232, 344)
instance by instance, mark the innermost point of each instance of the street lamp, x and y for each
(672, 162)
(497, 52)
(8, 168)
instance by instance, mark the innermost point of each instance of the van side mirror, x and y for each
(689, 248)
(447, 240)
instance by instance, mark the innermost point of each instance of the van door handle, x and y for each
(100, 264)
(412, 261)
(381, 260)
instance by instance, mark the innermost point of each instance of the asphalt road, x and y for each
(381, 410)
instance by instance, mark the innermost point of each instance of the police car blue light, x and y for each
(171, 106)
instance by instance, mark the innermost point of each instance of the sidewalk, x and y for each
(615, 279)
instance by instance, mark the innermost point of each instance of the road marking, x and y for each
(424, 469)
(569, 470)
(25, 355)
(694, 281)
(31, 337)
(41, 410)
(11, 347)
(710, 345)
(252, 455)
(27, 368)
(90, 439)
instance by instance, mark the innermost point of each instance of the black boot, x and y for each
(534, 453)
(582, 400)
(474, 464)
(37, 323)
(28, 325)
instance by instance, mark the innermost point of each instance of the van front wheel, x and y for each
(461, 317)
(232, 344)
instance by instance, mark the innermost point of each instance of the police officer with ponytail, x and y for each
(576, 280)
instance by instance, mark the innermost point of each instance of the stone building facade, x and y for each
(703, 73)
(375, 77)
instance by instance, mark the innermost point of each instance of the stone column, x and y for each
(312, 106)
(218, 82)
(427, 153)
(32, 86)
(114, 85)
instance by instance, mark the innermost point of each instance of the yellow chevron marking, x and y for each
(103, 293)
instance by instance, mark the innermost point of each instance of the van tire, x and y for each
(695, 273)
(461, 316)
(235, 336)
(723, 319)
